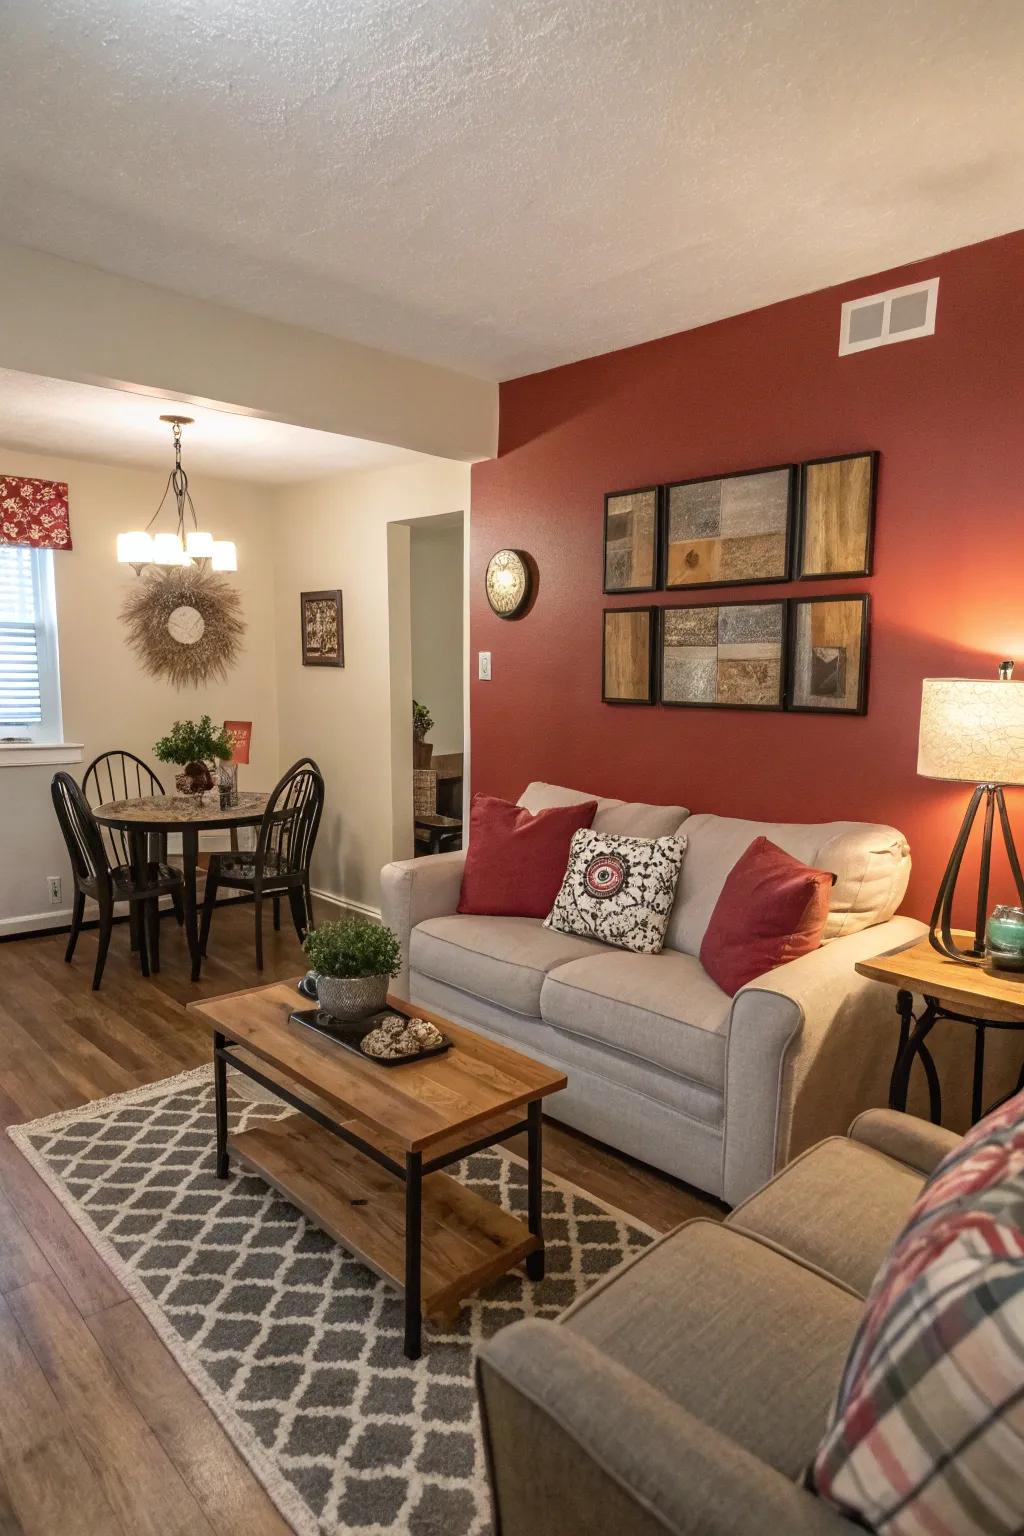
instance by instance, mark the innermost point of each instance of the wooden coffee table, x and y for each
(362, 1156)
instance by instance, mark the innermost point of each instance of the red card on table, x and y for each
(240, 732)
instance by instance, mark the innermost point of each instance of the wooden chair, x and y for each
(120, 775)
(95, 876)
(280, 864)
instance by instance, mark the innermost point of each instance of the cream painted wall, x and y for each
(107, 700)
(347, 532)
(436, 583)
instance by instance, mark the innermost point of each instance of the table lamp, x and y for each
(972, 732)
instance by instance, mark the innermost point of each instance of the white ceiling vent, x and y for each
(877, 320)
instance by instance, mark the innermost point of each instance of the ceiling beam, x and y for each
(63, 320)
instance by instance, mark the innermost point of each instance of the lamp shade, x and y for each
(972, 730)
(199, 544)
(134, 548)
(225, 556)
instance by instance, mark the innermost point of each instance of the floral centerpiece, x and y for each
(354, 961)
(197, 747)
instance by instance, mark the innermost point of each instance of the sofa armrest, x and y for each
(810, 1045)
(918, 1143)
(576, 1442)
(411, 890)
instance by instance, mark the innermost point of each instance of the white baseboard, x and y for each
(350, 906)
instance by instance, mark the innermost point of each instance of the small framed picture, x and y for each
(724, 655)
(627, 656)
(323, 635)
(828, 639)
(837, 515)
(728, 530)
(632, 524)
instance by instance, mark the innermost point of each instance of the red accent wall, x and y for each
(946, 414)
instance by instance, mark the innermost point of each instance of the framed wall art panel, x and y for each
(723, 655)
(828, 643)
(837, 515)
(627, 655)
(323, 633)
(728, 530)
(632, 523)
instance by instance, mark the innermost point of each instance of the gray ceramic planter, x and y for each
(352, 997)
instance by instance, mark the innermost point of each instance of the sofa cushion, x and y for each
(839, 1206)
(662, 1008)
(747, 1340)
(501, 959)
(927, 1433)
(516, 860)
(772, 909)
(871, 865)
(632, 818)
(619, 889)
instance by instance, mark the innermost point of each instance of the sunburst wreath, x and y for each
(211, 619)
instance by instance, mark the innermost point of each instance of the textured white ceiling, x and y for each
(84, 421)
(502, 185)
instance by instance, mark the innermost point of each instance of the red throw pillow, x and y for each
(516, 862)
(771, 909)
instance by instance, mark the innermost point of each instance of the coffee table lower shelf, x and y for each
(467, 1241)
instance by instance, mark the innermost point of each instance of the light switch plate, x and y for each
(485, 666)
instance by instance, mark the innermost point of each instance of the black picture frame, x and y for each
(652, 649)
(639, 490)
(863, 653)
(799, 556)
(744, 581)
(309, 658)
(750, 602)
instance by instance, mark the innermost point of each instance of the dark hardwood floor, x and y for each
(101, 1434)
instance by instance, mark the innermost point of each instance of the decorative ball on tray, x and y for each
(396, 1035)
(354, 961)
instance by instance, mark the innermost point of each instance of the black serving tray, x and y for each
(349, 1032)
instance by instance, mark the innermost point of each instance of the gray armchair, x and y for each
(688, 1391)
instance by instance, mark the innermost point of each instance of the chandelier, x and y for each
(185, 546)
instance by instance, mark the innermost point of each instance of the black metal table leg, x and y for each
(534, 1190)
(905, 1009)
(190, 863)
(137, 843)
(413, 1252)
(914, 1045)
(978, 1082)
(220, 1099)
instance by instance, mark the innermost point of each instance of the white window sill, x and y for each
(39, 754)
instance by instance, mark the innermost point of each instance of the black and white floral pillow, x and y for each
(619, 889)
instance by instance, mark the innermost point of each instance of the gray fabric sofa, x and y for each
(687, 1392)
(663, 1065)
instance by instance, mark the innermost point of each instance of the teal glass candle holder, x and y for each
(1004, 938)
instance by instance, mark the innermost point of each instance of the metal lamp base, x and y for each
(941, 935)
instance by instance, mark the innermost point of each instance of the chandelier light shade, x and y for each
(184, 546)
(972, 732)
(135, 548)
(225, 556)
(199, 545)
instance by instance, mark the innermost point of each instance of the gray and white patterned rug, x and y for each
(296, 1346)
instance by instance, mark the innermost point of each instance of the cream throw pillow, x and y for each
(619, 889)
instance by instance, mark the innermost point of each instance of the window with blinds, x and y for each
(29, 688)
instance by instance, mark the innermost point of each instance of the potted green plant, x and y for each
(196, 747)
(422, 721)
(354, 961)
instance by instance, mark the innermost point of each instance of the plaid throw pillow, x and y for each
(927, 1433)
(619, 889)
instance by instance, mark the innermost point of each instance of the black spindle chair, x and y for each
(280, 864)
(95, 876)
(120, 775)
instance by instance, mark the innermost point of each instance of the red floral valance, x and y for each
(34, 513)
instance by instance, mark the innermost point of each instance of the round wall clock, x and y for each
(507, 583)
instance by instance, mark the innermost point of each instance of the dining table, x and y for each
(157, 815)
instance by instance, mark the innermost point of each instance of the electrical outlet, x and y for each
(53, 885)
(485, 666)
